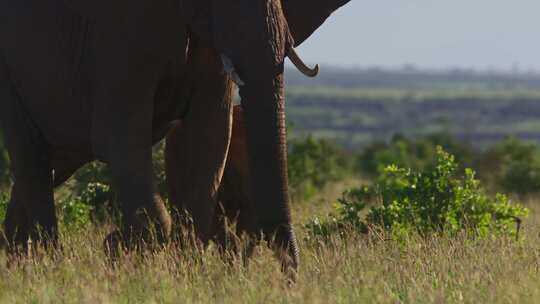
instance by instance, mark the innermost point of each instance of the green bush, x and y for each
(4, 164)
(159, 169)
(434, 201)
(91, 205)
(92, 185)
(4, 200)
(513, 166)
(419, 154)
(312, 165)
(74, 212)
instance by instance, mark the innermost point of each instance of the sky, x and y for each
(438, 34)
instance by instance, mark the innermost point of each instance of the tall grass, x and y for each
(354, 269)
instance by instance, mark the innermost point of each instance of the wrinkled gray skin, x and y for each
(83, 80)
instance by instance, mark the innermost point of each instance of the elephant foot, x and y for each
(21, 251)
(148, 229)
(21, 246)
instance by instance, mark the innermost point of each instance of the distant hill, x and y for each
(412, 78)
(355, 107)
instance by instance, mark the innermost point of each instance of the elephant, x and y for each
(83, 80)
(182, 164)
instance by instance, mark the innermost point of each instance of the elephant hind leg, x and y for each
(31, 213)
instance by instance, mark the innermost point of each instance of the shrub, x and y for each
(433, 201)
(91, 205)
(4, 164)
(92, 185)
(74, 214)
(419, 154)
(513, 166)
(4, 200)
(159, 169)
(312, 165)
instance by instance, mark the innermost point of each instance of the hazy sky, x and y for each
(430, 33)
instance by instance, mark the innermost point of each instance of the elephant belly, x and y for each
(52, 54)
(47, 52)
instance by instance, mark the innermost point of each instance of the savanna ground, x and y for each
(355, 269)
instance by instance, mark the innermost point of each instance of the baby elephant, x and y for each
(230, 195)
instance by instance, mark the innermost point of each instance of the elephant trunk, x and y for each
(253, 38)
(264, 109)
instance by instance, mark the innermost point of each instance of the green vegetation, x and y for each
(513, 166)
(348, 268)
(4, 173)
(436, 258)
(313, 164)
(437, 200)
(90, 193)
(92, 205)
(419, 154)
(4, 199)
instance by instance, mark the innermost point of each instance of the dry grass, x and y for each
(355, 270)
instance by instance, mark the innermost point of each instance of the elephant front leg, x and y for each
(30, 213)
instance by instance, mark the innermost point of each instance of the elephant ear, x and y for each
(306, 16)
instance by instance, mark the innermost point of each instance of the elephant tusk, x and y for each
(300, 65)
(228, 68)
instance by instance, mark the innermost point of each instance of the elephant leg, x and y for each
(196, 151)
(122, 136)
(145, 220)
(31, 213)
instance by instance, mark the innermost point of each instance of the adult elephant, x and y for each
(83, 80)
